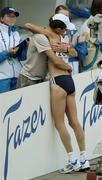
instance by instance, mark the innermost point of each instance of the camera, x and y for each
(99, 64)
(95, 25)
(97, 96)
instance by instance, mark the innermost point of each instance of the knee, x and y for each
(59, 127)
(74, 124)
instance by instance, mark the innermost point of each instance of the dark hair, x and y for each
(96, 7)
(60, 7)
(56, 24)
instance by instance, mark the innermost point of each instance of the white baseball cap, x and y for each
(63, 18)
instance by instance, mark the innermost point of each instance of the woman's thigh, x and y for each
(58, 103)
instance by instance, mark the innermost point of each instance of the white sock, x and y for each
(72, 157)
(82, 156)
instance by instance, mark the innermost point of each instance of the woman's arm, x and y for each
(60, 47)
(57, 61)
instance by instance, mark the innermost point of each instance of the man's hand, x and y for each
(63, 65)
(69, 69)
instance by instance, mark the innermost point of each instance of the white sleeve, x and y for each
(41, 42)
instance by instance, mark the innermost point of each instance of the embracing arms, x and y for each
(58, 62)
(58, 47)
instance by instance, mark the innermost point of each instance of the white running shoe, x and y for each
(85, 165)
(71, 167)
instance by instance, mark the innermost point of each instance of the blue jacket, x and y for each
(81, 47)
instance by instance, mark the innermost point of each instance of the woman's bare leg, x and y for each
(58, 104)
(71, 112)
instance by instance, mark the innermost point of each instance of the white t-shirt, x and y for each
(36, 65)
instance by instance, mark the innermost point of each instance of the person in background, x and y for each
(96, 8)
(78, 42)
(64, 10)
(94, 48)
(10, 65)
(63, 93)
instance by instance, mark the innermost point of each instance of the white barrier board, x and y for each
(29, 144)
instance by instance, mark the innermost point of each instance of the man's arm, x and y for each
(38, 29)
(57, 61)
(57, 47)
(43, 45)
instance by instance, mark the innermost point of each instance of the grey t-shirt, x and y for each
(36, 65)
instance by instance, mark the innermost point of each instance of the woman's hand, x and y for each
(59, 47)
(64, 48)
(72, 52)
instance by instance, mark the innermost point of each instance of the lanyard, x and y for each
(6, 48)
(9, 40)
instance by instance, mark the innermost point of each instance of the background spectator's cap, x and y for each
(8, 10)
(63, 18)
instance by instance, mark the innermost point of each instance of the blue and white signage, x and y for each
(29, 143)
